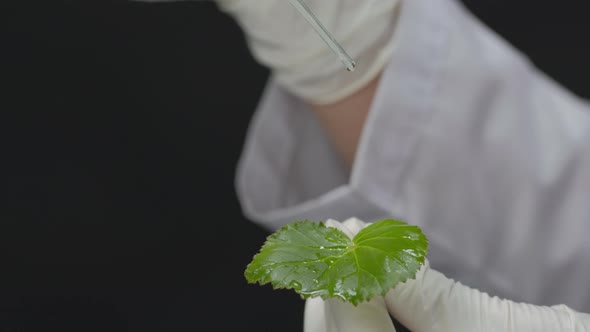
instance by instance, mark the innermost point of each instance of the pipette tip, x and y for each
(324, 34)
(351, 66)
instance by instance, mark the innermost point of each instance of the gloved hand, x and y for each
(282, 40)
(432, 302)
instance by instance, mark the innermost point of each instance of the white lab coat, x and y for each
(466, 139)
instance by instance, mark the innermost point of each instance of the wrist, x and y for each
(344, 120)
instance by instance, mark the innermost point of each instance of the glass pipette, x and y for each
(348, 62)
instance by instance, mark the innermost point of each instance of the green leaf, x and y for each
(316, 260)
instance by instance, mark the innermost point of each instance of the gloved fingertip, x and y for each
(425, 265)
(354, 225)
(341, 227)
(333, 223)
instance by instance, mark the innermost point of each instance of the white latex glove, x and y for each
(432, 302)
(282, 40)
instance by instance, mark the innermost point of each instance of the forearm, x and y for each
(343, 120)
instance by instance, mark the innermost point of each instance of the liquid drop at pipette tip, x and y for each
(351, 66)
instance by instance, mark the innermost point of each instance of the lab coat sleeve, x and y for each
(466, 139)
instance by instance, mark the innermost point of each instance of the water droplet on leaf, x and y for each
(333, 238)
(295, 285)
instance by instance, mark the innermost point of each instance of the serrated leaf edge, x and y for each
(354, 300)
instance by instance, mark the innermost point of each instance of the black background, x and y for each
(121, 127)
